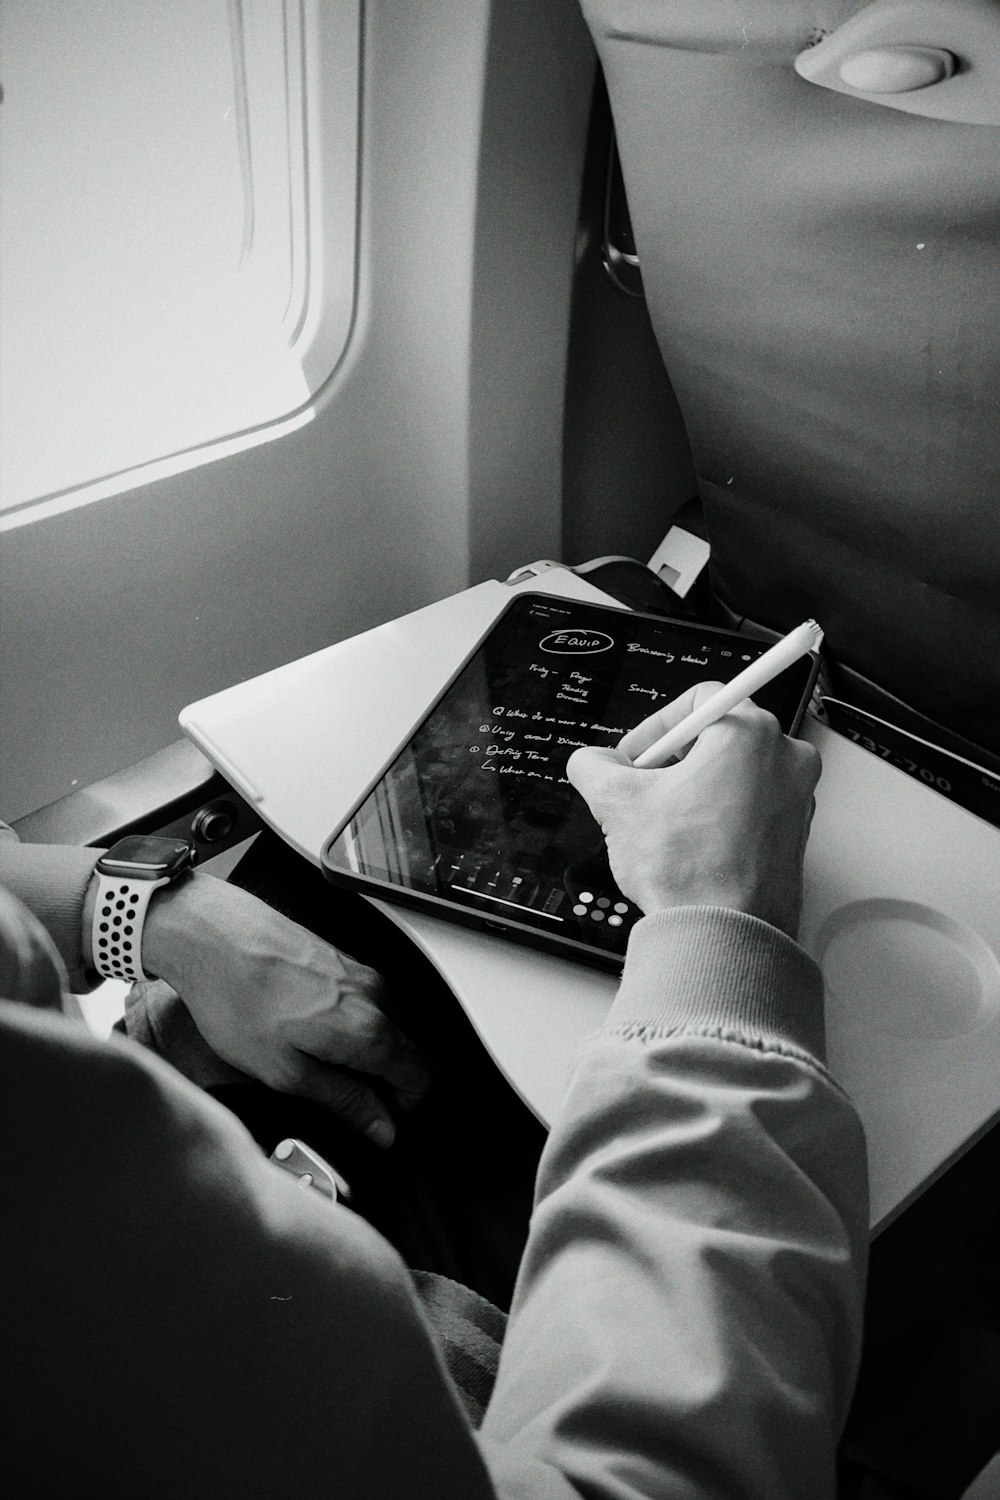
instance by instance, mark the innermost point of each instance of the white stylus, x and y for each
(758, 674)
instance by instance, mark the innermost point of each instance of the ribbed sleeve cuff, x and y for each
(51, 880)
(706, 968)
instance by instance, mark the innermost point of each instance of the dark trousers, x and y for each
(453, 1193)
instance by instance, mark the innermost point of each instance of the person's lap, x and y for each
(453, 1193)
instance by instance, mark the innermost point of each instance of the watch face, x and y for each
(146, 857)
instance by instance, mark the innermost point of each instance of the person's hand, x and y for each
(725, 826)
(276, 1002)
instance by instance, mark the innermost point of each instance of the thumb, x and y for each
(594, 771)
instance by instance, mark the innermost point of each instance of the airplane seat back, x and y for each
(823, 275)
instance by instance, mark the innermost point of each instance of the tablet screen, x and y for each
(475, 819)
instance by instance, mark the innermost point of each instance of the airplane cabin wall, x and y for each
(434, 458)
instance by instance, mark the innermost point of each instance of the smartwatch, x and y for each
(127, 875)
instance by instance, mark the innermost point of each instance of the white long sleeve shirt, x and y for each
(181, 1320)
(688, 1315)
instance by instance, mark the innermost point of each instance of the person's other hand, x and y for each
(725, 826)
(276, 1002)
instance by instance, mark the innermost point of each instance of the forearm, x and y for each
(58, 885)
(182, 924)
(688, 1313)
(243, 988)
(52, 880)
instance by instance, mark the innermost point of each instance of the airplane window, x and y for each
(177, 235)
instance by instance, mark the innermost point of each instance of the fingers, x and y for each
(357, 1034)
(346, 1096)
(650, 730)
(378, 1048)
(599, 774)
(596, 772)
(745, 730)
(375, 1044)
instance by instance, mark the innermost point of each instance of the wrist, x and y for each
(170, 932)
(129, 877)
(166, 931)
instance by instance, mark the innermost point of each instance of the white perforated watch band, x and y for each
(119, 914)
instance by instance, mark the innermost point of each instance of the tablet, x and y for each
(474, 820)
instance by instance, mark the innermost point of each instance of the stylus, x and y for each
(758, 674)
